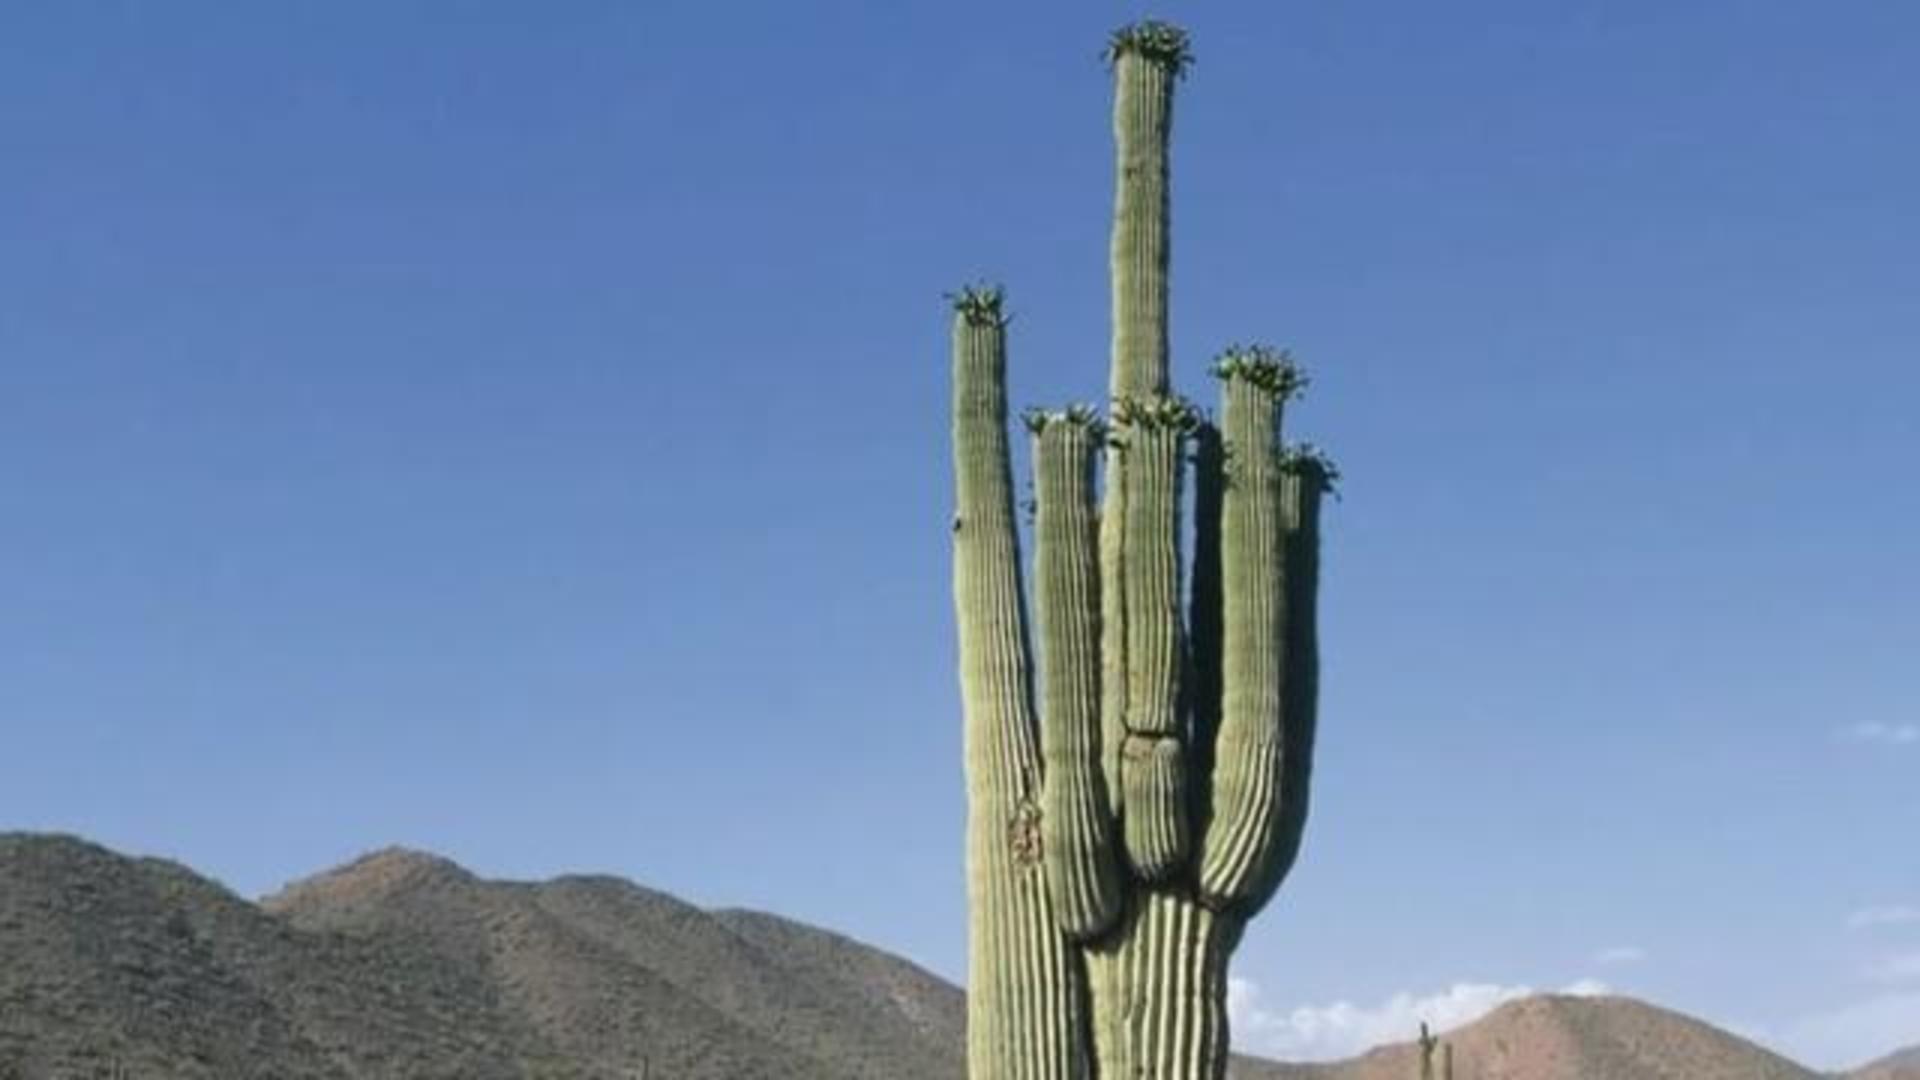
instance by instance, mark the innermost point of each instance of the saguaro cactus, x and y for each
(1123, 830)
(1429, 1043)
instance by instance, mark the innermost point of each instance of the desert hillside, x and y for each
(1553, 1037)
(1904, 1065)
(402, 964)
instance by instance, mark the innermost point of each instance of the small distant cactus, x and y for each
(1429, 1043)
(1124, 827)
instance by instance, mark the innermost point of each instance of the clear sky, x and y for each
(519, 431)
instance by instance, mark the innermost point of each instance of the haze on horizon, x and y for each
(523, 437)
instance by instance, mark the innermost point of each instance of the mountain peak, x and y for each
(396, 860)
(373, 877)
(57, 846)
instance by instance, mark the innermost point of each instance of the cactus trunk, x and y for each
(1121, 834)
(1160, 990)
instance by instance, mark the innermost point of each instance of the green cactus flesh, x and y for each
(1129, 813)
(1147, 59)
(1027, 995)
(1076, 829)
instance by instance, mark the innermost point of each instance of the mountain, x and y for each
(1902, 1065)
(403, 964)
(602, 967)
(1557, 1037)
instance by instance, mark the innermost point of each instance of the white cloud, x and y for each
(1854, 1034)
(1899, 967)
(1343, 1029)
(1883, 734)
(1616, 955)
(1884, 915)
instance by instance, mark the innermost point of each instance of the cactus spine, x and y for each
(1121, 834)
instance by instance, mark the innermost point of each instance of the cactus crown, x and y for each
(1085, 417)
(1270, 369)
(1161, 411)
(982, 304)
(1152, 39)
(1312, 463)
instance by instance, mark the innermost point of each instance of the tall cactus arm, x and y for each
(1306, 479)
(1025, 1009)
(1249, 764)
(1147, 60)
(1153, 758)
(1076, 825)
(995, 674)
(1153, 437)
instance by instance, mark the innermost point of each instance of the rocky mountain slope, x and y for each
(1904, 1065)
(402, 964)
(1554, 1037)
(405, 965)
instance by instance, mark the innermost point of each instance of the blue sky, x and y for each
(519, 431)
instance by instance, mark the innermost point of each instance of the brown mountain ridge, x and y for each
(404, 965)
(1558, 1037)
(1903, 1065)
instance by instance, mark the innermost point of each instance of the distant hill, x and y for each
(402, 964)
(1904, 1065)
(1555, 1037)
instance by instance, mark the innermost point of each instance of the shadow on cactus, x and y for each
(1137, 789)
